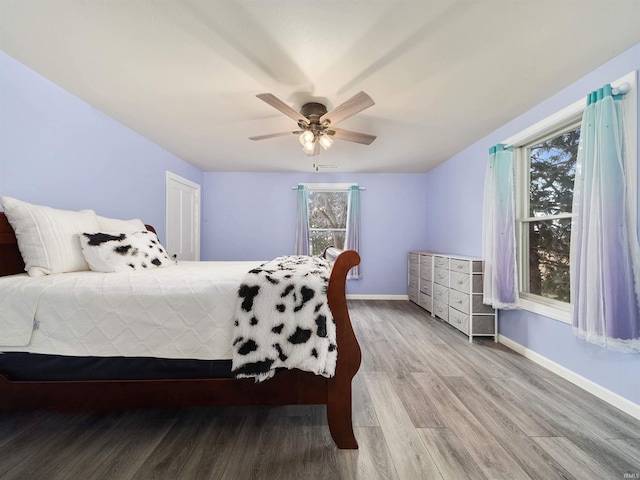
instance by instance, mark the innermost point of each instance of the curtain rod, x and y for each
(621, 89)
(359, 188)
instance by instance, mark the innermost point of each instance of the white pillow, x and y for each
(116, 225)
(48, 237)
(123, 252)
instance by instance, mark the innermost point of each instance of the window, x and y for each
(327, 215)
(327, 219)
(545, 157)
(545, 164)
(547, 168)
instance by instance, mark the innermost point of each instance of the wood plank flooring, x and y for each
(427, 404)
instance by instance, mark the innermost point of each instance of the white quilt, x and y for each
(185, 311)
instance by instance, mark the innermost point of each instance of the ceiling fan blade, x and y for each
(278, 104)
(350, 136)
(355, 104)
(271, 135)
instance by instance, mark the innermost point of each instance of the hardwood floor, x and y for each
(427, 404)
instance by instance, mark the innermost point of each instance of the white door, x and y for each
(183, 218)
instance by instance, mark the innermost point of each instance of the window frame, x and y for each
(556, 123)
(327, 187)
(523, 218)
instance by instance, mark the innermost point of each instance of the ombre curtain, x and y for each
(302, 222)
(498, 230)
(352, 236)
(605, 262)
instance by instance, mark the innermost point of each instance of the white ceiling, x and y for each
(443, 73)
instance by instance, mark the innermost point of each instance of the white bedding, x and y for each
(183, 311)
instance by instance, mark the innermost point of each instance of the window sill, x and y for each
(561, 314)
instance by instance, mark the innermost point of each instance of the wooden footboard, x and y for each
(339, 395)
(291, 387)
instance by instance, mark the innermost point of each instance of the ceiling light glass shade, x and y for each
(326, 141)
(306, 137)
(309, 148)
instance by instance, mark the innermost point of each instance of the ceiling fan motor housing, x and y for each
(313, 111)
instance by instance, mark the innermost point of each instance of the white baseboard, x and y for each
(599, 391)
(356, 296)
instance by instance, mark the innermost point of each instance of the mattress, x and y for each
(184, 311)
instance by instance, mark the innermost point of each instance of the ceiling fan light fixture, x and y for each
(306, 137)
(309, 148)
(326, 141)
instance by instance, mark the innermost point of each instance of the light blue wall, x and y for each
(454, 206)
(58, 151)
(252, 216)
(456, 188)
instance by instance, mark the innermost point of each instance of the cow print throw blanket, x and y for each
(283, 319)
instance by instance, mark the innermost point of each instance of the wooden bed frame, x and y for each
(290, 387)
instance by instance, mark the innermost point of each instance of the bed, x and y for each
(182, 387)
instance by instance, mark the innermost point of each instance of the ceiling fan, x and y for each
(316, 125)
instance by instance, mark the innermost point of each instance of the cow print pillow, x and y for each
(120, 252)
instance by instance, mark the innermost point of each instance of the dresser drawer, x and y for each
(442, 262)
(441, 276)
(459, 265)
(426, 287)
(482, 325)
(459, 301)
(477, 306)
(413, 295)
(472, 324)
(441, 293)
(425, 301)
(465, 265)
(459, 320)
(426, 261)
(463, 282)
(459, 281)
(414, 265)
(440, 310)
(425, 273)
(413, 281)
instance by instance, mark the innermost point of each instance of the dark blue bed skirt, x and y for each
(38, 367)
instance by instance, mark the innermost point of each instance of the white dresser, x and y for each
(450, 287)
